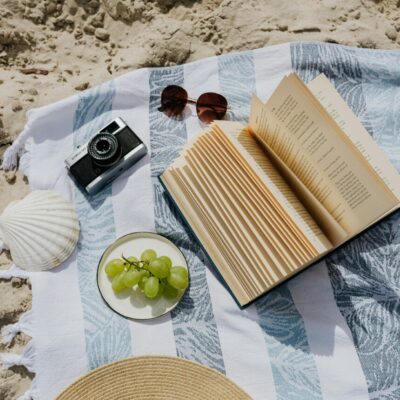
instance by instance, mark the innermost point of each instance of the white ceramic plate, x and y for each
(132, 303)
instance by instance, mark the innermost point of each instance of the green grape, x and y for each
(161, 289)
(143, 281)
(178, 277)
(148, 255)
(114, 267)
(145, 273)
(159, 268)
(170, 292)
(132, 259)
(151, 287)
(167, 260)
(131, 278)
(118, 282)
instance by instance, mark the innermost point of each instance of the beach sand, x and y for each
(50, 49)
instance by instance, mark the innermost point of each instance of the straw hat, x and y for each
(153, 377)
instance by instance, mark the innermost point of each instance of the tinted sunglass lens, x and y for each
(211, 106)
(173, 100)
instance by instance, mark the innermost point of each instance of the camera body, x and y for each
(113, 150)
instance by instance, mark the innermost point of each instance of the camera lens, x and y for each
(104, 149)
(103, 146)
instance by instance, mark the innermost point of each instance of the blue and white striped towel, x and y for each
(333, 332)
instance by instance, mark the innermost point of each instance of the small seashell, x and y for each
(40, 230)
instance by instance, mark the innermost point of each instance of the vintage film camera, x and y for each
(107, 155)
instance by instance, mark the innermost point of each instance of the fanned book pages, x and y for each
(268, 199)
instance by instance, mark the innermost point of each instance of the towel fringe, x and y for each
(3, 245)
(12, 272)
(28, 395)
(26, 359)
(8, 360)
(9, 332)
(24, 325)
(25, 157)
(10, 156)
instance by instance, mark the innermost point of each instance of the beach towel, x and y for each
(332, 332)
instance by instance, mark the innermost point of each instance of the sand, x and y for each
(50, 49)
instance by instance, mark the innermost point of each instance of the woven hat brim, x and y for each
(153, 377)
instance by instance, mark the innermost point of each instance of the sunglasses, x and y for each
(209, 106)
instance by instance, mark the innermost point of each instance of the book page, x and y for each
(243, 291)
(312, 145)
(328, 225)
(257, 201)
(331, 100)
(252, 152)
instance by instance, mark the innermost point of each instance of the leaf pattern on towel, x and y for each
(194, 325)
(365, 273)
(293, 366)
(381, 91)
(237, 83)
(107, 335)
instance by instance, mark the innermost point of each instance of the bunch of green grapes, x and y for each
(154, 275)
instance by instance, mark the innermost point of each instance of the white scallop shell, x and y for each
(40, 230)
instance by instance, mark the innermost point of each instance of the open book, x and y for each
(268, 199)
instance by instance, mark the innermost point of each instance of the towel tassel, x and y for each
(26, 359)
(28, 395)
(12, 272)
(8, 332)
(10, 157)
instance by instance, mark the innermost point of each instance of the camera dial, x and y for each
(104, 149)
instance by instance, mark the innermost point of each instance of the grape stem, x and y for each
(136, 264)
